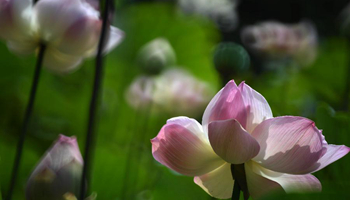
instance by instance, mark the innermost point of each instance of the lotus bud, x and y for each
(230, 59)
(156, 55)
(58, 174)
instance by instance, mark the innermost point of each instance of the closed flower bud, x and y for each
(156, 55)
(58, 174)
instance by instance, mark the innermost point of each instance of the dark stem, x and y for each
(26, 119)
(238, 174)
(236, 188)
(89, 143)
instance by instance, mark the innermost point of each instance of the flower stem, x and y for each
(26, 119)
(89, 143)
(236, 188)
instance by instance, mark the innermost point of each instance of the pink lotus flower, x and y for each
(276, 40)
(238, 127)
(69, 28)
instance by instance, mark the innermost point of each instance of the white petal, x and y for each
(115, 37)
(60, 63)
(16, 19)
(290, 183)
(217, 183)
(258, 185)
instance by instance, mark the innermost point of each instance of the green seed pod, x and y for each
(156, 56)
(230, 59)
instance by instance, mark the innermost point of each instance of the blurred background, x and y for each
(176, 55)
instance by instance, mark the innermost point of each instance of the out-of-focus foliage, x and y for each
(123, 165)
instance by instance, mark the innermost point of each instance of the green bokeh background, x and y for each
(123, 166)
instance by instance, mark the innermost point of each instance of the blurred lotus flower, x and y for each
(222, 12)
(276, 40)
(238, 127)
(58, 174)
(156, 55)
(69, 28)
(174, 92)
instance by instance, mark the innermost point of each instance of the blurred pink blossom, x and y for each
(69, 28)
(222, 12)
(276, 40)
(174, 92)
(238, 127)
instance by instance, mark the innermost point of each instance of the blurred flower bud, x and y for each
(69, 28)
(231, 58)
(156, 55)
(275, 40)
(58, 174)
(222, 12)
(174, 92)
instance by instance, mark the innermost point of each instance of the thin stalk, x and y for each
(236, 188)
(26, 120)
(89, 143)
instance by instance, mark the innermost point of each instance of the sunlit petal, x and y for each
(256, 105)
(288, 144)
(291, 183)
(180, 147)
(217, 183)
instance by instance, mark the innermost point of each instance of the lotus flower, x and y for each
(173, 92)
(58, 174)
(69, 28)
(276, 40)
(238, 127)
(222, 12)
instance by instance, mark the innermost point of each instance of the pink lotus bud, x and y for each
(58, 174)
